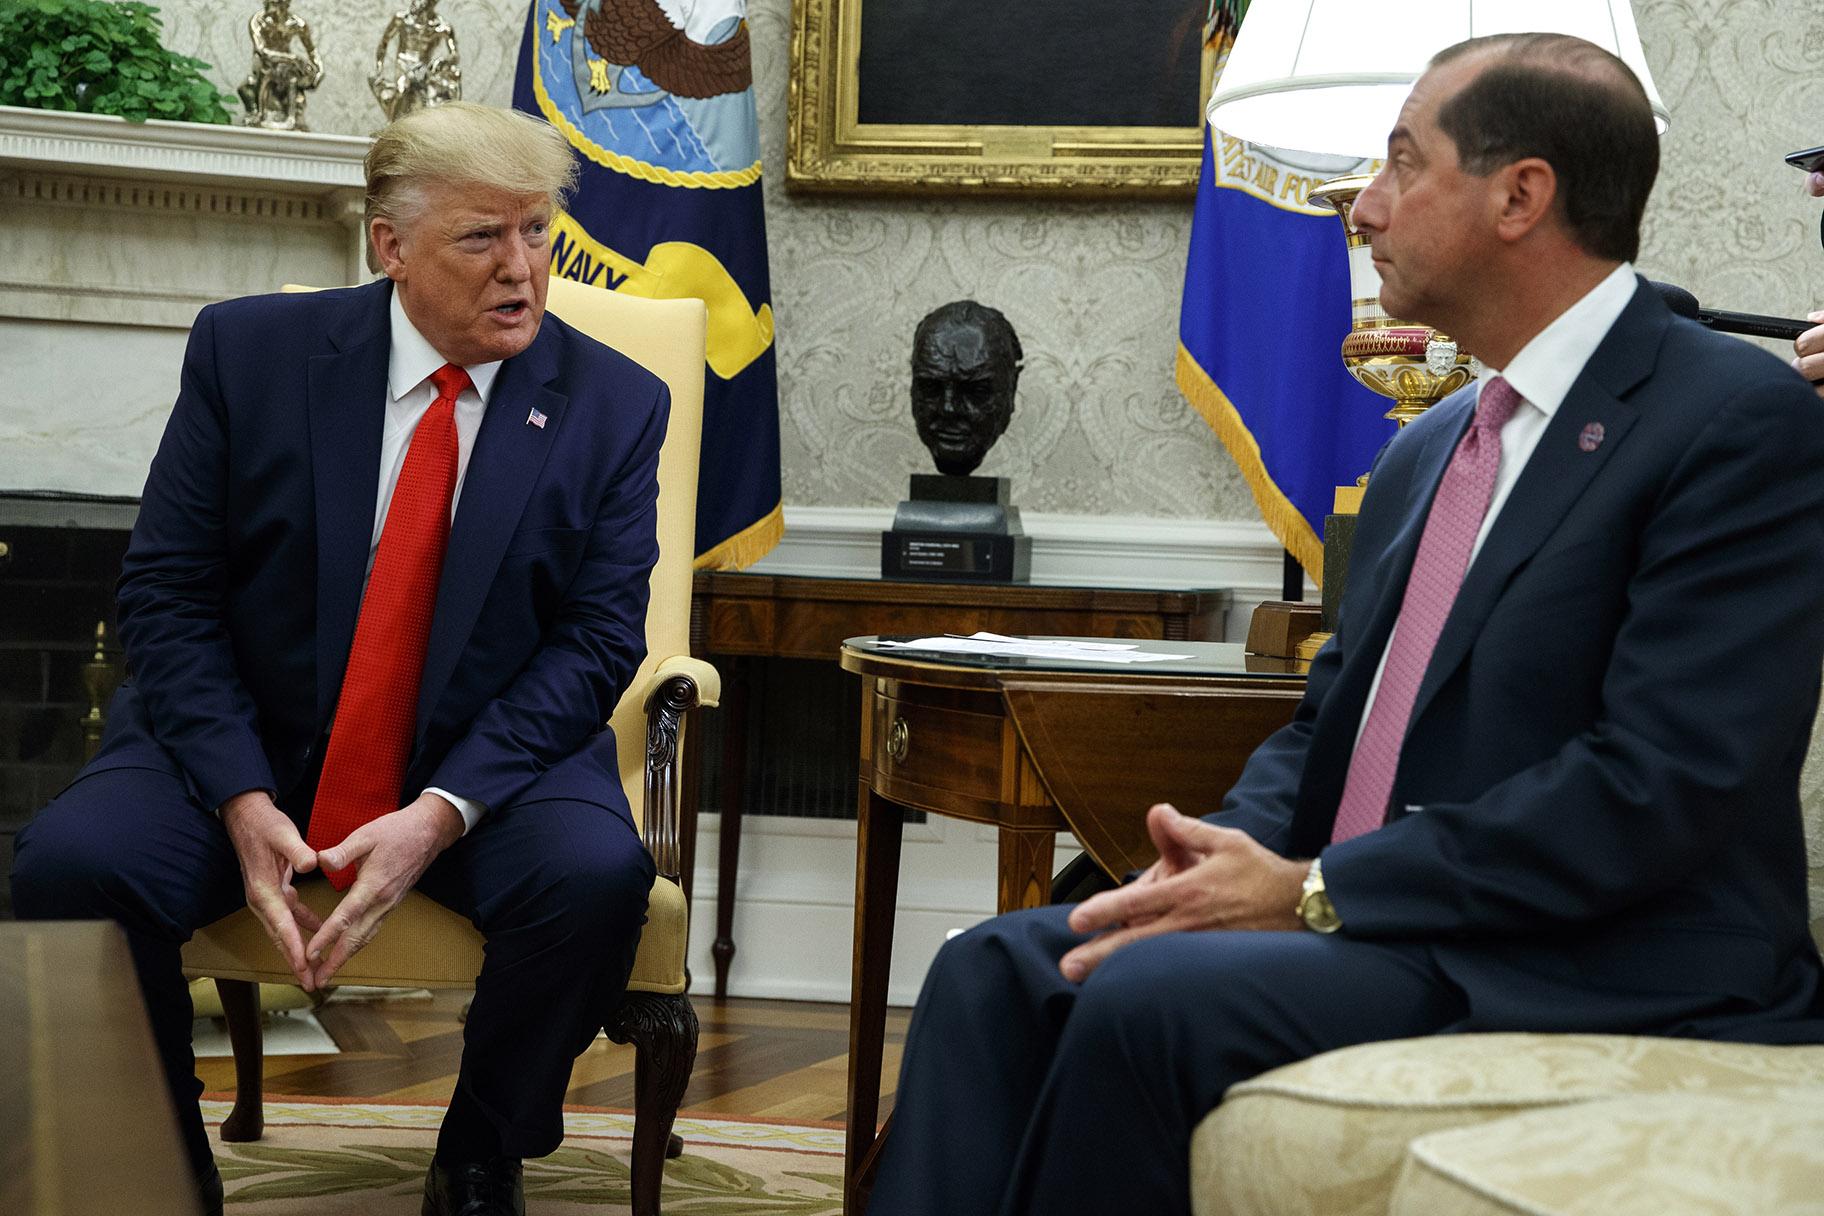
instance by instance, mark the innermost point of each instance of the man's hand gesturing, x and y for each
(393, 852)
(271, 852)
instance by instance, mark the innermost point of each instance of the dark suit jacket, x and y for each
(243, 579)
(1596, 808)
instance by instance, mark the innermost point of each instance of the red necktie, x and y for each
(1437, 574)
(364, 768)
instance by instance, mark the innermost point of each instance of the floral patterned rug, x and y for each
(324, 1157)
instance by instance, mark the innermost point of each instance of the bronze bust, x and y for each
(965, 368)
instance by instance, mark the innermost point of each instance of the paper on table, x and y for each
(1000, 646)
(1048, 643)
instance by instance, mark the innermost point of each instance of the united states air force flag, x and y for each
(657, 98)
(1266, 308)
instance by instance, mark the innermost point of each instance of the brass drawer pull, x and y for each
(899, 740)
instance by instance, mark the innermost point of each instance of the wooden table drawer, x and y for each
(941, 750)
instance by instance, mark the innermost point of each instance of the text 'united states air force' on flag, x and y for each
(1266, 308)
(657, 98)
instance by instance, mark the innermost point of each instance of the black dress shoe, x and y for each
(209, 1192)
(474, 1188)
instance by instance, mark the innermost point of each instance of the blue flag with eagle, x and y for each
(657, 98)
(1266, 308)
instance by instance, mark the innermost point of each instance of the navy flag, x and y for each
(1260, 331)
(657, 98)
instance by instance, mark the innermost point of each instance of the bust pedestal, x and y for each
(956, 528)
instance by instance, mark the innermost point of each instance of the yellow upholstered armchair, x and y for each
(424, 945)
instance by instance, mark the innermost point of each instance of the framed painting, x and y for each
(1061, 97)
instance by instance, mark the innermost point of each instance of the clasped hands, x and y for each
(393, 851)
(1207, 877)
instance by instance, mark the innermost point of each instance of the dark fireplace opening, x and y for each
(56, 584)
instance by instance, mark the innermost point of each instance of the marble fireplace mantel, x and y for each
(184, 151)
(112, 236)
(104, 219)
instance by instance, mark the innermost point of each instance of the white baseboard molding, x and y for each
(795, 903)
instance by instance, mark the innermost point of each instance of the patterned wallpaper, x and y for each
(1093, 288)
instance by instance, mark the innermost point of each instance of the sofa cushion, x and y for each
(1754, 1151)
(1327, 1135)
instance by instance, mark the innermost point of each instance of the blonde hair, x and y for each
(468, 144)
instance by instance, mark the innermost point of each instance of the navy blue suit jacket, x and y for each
(1596, 807)
(243, 579)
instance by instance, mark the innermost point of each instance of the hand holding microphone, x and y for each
(1808, 347)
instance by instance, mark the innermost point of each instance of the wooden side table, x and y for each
(1033, 748)
(89, 1124)
(741, 616)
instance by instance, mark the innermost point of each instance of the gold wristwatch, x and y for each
(1314, 907)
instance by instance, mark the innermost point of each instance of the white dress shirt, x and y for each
(1542, 373)
(409, 393)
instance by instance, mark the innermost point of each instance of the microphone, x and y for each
(1753, 325)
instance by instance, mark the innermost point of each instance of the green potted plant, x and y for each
(100, 58)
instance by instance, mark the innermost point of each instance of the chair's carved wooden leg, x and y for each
(663, 1031)
(241, 1010)
(738, 673)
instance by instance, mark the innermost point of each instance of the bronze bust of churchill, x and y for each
(965, 370)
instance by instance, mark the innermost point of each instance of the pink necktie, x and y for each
(1437, 574)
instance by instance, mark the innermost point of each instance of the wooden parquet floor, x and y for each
(777, 1059)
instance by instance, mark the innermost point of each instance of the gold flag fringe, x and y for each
(748, 545)
(1282, 518)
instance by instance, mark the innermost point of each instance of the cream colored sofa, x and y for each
(1530, 1123)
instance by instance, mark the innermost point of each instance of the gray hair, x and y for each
(468, 144)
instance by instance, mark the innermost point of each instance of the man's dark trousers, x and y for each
(558, 887)
(1003, 1046)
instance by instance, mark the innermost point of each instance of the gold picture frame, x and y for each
(828, 149)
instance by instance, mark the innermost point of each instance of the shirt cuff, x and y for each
(470, 810)
(272, 794)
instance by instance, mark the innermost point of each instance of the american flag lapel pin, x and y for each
(536, 418)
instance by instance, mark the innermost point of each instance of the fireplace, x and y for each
(112, 236)
(61, 557)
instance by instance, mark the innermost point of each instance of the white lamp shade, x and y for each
(1331, 75)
